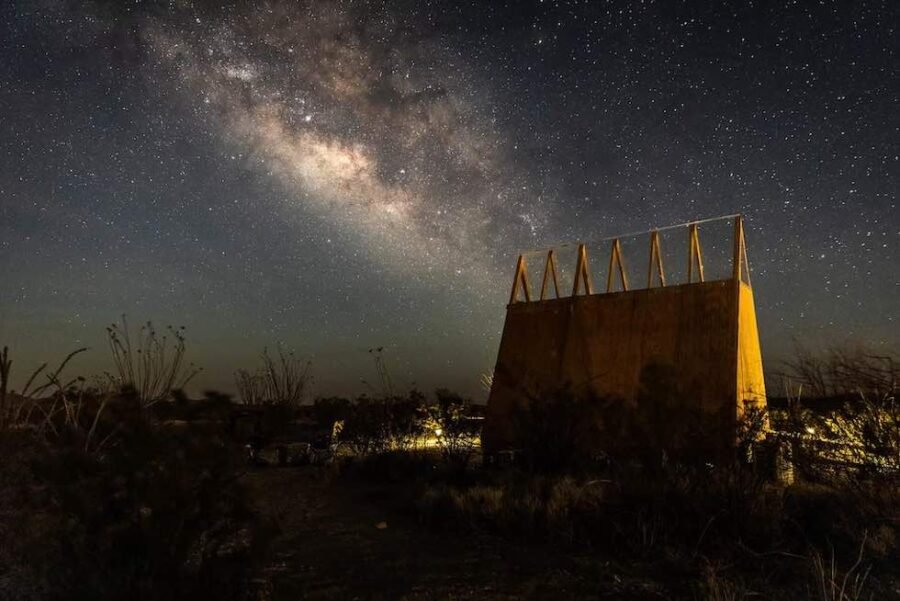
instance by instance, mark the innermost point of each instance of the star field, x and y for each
(339, 176)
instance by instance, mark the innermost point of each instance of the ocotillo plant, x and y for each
(151, 366)
(282, 380)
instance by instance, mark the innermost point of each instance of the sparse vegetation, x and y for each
(378, 425)
(450, 420)
(150, 365)
(282, 379)
(102, 499)
(662, 504)
(839, 372)
(91, 469)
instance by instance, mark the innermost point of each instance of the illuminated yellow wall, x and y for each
(599, 344)
(751, 386)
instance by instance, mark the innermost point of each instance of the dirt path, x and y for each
(331, 547)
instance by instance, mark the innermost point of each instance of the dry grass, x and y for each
(833, 585)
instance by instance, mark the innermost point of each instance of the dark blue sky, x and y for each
(338, 177)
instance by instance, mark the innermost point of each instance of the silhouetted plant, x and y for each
(281, 379)
(406, 420)
(151, 365)
(455, 431)
(376, 425)
(251, 387)
(384, 377)
(157, 514)
(871, 429)
(839, 371)
(833, 585)
(367, 427)
(61, 413)
(287, 377)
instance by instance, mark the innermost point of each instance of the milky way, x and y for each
(341, 176)
(363, 123)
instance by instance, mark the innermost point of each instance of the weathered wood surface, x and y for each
(600, 344)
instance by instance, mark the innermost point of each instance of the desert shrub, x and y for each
(517, 505)
(840, 371)
(846, 455)
(864, 434)
(156, 513)
(394, 467)
(694, 508)
(406, 422)
(700, 509)
(282, 379)
(450, 419)
(834, 584)
(845, 520)
(148, 364)
(378, 425)
(367, 427)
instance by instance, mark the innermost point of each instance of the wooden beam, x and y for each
(582, 273)
(744, 253)
(737, 259)
(695, 256)
(550, 268)
(655, 260)
(615, 261)
(740, 265)
(521, 278)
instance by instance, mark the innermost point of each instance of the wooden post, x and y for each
(739, 261)
(550, 268)
(655, 257)
(694, 253)
(582, 274)
(615, 261)
(521, 277)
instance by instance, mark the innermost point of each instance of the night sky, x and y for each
(338, 176)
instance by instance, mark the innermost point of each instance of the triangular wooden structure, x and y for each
(615, 261)
(520, 280)
(740, 265)
(582, 274)
(694, 254)
(655, 261)
(600, 345)
(550, 269)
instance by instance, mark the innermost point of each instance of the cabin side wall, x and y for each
(599, 345)
(751, 383)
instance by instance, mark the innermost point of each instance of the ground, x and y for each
(344, 540)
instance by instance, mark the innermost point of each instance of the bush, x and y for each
(156, 514)
(456, 433)
(395, 423)
(366, 429)
(281, 380)
(516, 505)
